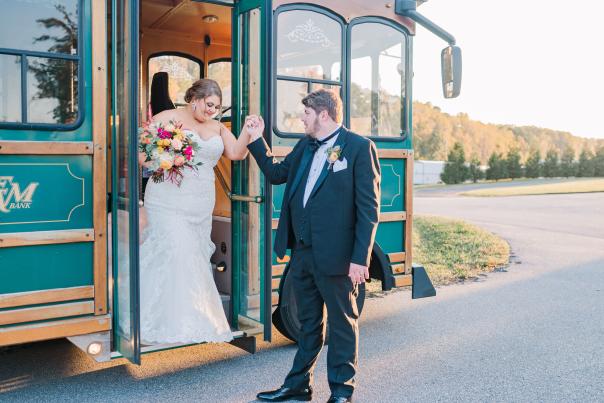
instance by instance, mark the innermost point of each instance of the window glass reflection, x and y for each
(377, 80)
(309, 44)
(221, 72)
(10, 88)
(289, 106)
(40, 25)
(52, 93)
(182, 73)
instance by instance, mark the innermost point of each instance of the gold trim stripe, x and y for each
(278, 269)
(393, 216)
(45, 296)
(99, 159)
(398, 268)
(393, 153)
(397, 257)
(54, 330)
(403, 280)
(282, 151)
(8, 240)
(22, 315)
(46, 147)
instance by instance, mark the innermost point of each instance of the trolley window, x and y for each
(40, 66)
(377, 79)
(220, 70)
(309, 56)
(183, 70)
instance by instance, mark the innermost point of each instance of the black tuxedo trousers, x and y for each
(317, 291)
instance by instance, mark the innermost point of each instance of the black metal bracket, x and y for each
(408, 8)
(246, 343)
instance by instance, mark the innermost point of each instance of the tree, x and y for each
(497, 167)
(567, 163)
(514, 169)
(532, 168)
(585, 167)
(430, 146)
(550, 165)
(474, 171)
(455, 169)
(598, 162)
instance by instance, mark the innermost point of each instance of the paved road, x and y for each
(533, 333)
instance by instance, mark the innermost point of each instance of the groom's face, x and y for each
(311, 120)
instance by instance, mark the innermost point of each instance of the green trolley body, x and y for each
(74, 88)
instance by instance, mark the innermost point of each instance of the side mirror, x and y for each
(451, 71)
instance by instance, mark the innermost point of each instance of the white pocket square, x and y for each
(340, 165)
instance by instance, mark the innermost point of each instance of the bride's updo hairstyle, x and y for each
(201, 89)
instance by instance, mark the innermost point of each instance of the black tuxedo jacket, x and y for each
(344, 204)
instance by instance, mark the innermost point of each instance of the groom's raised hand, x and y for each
(357, 273)
(254, 126)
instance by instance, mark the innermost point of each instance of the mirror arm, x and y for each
(407, 8)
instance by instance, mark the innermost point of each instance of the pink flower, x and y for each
(176, 144)
(163, 134)
(188, 151)
(179, 160)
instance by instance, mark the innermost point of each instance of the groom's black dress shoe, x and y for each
(339, 399)
(282, 394)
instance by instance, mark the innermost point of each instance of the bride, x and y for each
(179, 300)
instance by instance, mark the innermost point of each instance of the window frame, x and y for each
(79, 58)
(309, 81)
(345, 79)
(405, 113)
(173, 53)
(223, 59)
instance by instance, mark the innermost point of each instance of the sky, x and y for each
(529, 62)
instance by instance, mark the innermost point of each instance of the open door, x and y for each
(126, 312)
(251, 213)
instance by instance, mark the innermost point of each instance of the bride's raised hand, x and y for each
(255, 127)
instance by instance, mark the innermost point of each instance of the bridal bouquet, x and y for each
(168, 150)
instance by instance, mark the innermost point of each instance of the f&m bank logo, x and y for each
(13, 196)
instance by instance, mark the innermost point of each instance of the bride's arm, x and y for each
(235, 148)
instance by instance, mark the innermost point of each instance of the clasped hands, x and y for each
(254, 125)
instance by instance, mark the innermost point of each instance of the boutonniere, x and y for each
(333, 154)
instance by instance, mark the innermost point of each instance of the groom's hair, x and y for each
(325, 100)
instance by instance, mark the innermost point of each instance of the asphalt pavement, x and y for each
(533, 332)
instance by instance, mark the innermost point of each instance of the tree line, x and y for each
(435, 132)
(511, 166)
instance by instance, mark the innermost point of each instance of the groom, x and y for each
(329, 217)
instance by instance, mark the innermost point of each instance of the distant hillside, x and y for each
(435, 132)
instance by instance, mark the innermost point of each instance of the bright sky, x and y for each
(525, 62)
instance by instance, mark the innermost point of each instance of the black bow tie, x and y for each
(314, 144)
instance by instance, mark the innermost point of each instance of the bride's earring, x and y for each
(194, 106)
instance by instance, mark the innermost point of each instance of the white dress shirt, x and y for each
(317, 164)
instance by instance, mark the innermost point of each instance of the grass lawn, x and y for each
(453, 250)
(574, 186)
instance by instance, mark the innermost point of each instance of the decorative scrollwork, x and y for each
(309, 33)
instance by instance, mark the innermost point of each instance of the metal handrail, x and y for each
(235, 197)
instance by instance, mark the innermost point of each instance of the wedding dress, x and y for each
(179, 301)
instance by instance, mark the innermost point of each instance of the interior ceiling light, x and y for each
(210, 18)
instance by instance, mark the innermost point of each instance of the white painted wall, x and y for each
(427, 172)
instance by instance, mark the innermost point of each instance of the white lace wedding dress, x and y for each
(178, 297)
